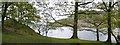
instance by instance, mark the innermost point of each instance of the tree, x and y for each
(118, 22)
(48, 13)
(75, 21)
(108, 8)
(96, 20)
(5, 5)
(61, 9)
(22, 12)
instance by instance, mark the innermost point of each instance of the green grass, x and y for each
(18, 33)
(11, 37)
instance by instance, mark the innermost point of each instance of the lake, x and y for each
(66, 33)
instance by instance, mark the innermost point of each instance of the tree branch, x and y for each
(115, 3)
(99, 24)
(85, 3)
(65, 14)
(115, 37)
(104, 5)
(89, 13)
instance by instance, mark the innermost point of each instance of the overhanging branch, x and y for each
(66, 15)
(85, 3)
(99, 23)
(115, 3)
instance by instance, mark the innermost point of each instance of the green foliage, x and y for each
(94, 19)
(116, 18)
(98, 18)
(23, 12)
(101, 6)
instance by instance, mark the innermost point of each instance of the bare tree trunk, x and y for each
(75, 22)
(97, 33)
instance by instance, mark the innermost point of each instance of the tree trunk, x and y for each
(109, 22)
(118, 36)
(4, 9)
(39, 31)
(97, 33)
(75, 22)
(46, 32)
(109, 27)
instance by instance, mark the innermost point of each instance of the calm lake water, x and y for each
(66, 33)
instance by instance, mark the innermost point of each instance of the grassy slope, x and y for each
(18, 33)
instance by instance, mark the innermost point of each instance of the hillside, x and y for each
(18, 33)
(14, 26)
